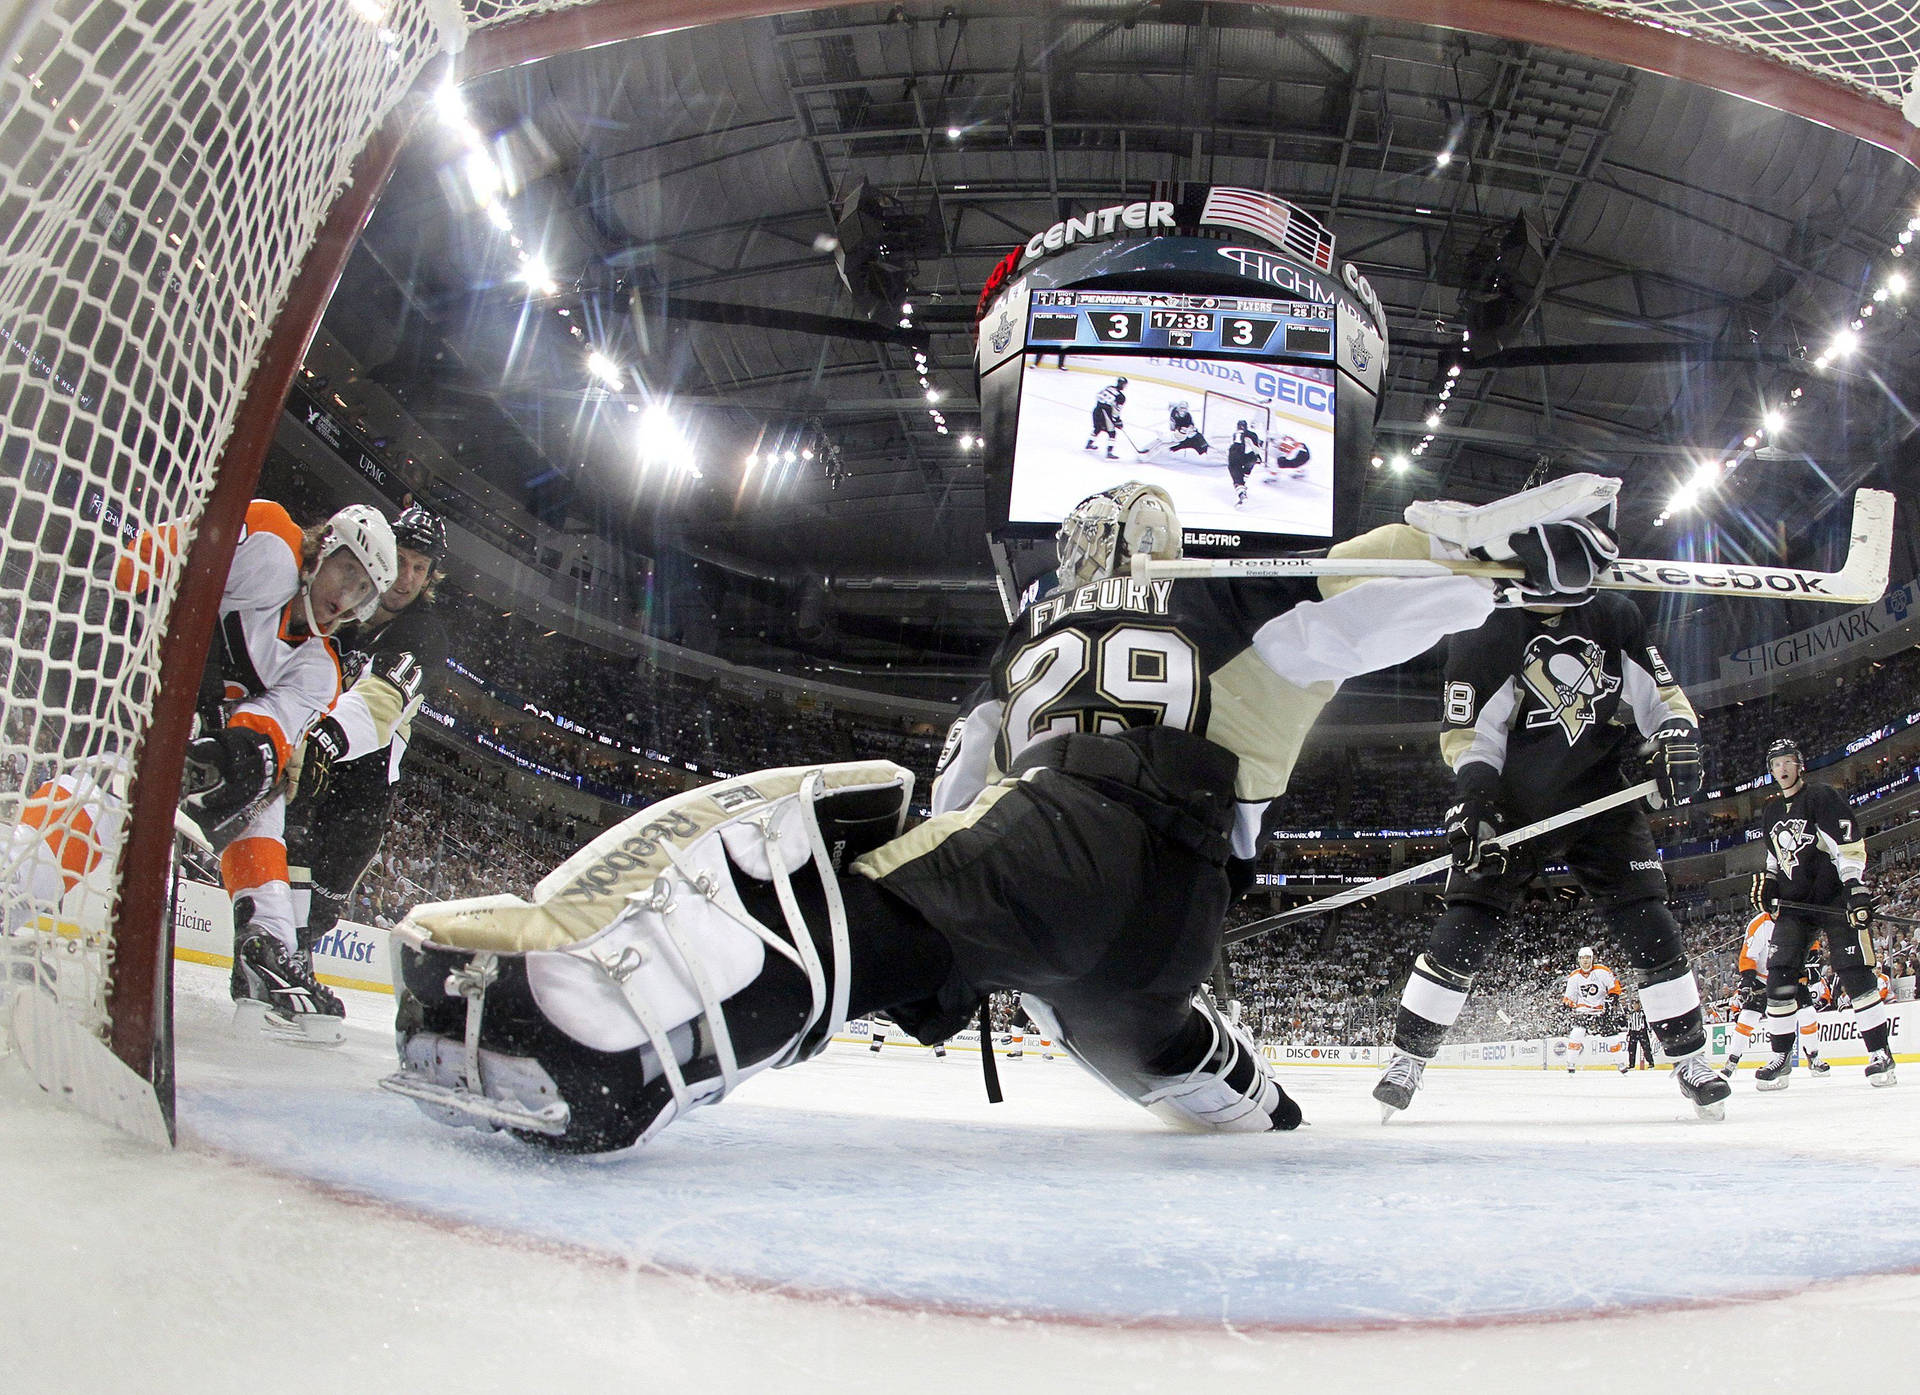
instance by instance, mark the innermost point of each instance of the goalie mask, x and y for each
(1106, 531)
(364, 533)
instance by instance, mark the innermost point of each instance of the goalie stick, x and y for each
(1860, 580)
(1426, 869)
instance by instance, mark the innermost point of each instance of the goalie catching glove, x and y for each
(227, 777)
(1673, 754)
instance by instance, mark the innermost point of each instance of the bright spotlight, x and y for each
(483, 177)
(1433, 420)
(953, 133)
(1682, 499)
(1774, 419)
(1897, 284)
(806, 452)
(1844, 343)
(608, 372)
(450, 104)
(1705, 476)
(933, 394)
(1400, 464)
(1443, 159)
(790, 458)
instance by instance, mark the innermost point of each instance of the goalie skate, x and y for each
(694, 945)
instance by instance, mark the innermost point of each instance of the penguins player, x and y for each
(1106, 415)
(349, 771)
(1242, 456)
(1117, 760)
(1540, 708)
(1814, 885)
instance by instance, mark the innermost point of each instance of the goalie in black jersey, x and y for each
(1089, 807)
(1814, 885)
(1106, 415)
(1182, 433)
(1542, 705)
(349, 766)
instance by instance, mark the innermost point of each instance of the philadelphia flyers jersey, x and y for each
(1543, 707)
(1756, 945)
(1246, 664)
(1814, 847)
(1590, 990)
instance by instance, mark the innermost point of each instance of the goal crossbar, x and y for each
(1861, 578)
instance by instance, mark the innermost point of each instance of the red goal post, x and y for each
(180, 187)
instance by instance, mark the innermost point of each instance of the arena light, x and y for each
(662, 442)
(1399, 464)
(1844, 343)
(608, 372)
(933, 394)
(483, 177)
(450, 105)
(1897, 284)
(953, 133)
(1682, 499)
(1774, 420)
(1433, 419)
(1443, 159)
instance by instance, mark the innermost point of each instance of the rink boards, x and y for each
(356, 956)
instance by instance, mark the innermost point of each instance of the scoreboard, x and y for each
(1207, 325)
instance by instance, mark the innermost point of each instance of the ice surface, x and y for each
(869, 1216)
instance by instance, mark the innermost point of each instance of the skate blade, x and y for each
(1717, 1111)
(1388, 1111)
(1883, 1080)
(253, 1018)
(1768, 1086)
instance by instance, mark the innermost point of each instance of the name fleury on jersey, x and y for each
(1110, 594)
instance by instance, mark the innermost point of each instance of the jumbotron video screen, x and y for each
(1241, 446)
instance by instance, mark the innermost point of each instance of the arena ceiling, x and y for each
(1697, 252)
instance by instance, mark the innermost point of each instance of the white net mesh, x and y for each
(164, 169)
(1872, 46)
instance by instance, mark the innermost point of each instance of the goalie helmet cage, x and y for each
(180, 186)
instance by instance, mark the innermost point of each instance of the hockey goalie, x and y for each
(1095, 807)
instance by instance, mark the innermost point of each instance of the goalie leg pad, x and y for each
(1228, 1089)
(723, 951)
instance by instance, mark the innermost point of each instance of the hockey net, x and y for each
(179, 186)
(1221, 414)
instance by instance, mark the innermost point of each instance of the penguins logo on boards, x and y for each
(1568, 678)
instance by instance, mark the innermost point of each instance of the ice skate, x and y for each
(1731, 1068)
(1396, 1086)
(1240, 497)
(1880, 1070)
(1090, 443)
(1623, 1068)
(1817, 1065)
(1702, 1086)
(276, 994)
(1773, 1075)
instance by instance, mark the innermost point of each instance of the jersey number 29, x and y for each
(1139, 677)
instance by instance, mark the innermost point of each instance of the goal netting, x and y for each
(1221, 414)
(179, 185)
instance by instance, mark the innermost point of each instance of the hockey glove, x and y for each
(1674, 753)
(1561, 561)
(228, 774)
(326, 743)
(1241, 875)
(1766, 894)
(1472, 824)
(1859, 906)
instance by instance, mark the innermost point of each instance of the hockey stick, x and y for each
(1861, 579)
(1808, 908)
(1426, 869)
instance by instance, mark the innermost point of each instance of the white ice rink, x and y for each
(873, 1219)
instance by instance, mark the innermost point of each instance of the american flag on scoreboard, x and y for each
(1274, 219)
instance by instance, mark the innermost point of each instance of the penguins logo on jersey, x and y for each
(1567, 677)
(1790, 838)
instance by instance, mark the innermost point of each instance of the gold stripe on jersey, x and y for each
(924, 838)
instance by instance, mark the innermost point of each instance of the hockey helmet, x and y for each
(1180, 405)
(1785, 746)
(361, 530)
(1107, 530)
(1585, 957)
(423, 531)
(1241, 425)
(1119, 382)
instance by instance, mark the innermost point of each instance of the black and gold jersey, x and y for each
(1814, 846)
(1539, 704)
(1247, 664)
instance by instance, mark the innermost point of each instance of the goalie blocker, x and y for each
(710, 937)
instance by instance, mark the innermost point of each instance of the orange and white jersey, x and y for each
(1589, 991)
(275, 682)
(1757, 945)
(60, 856)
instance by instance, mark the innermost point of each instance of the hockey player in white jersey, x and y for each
(1591, 989)
(270, 673)
(1129, 738)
